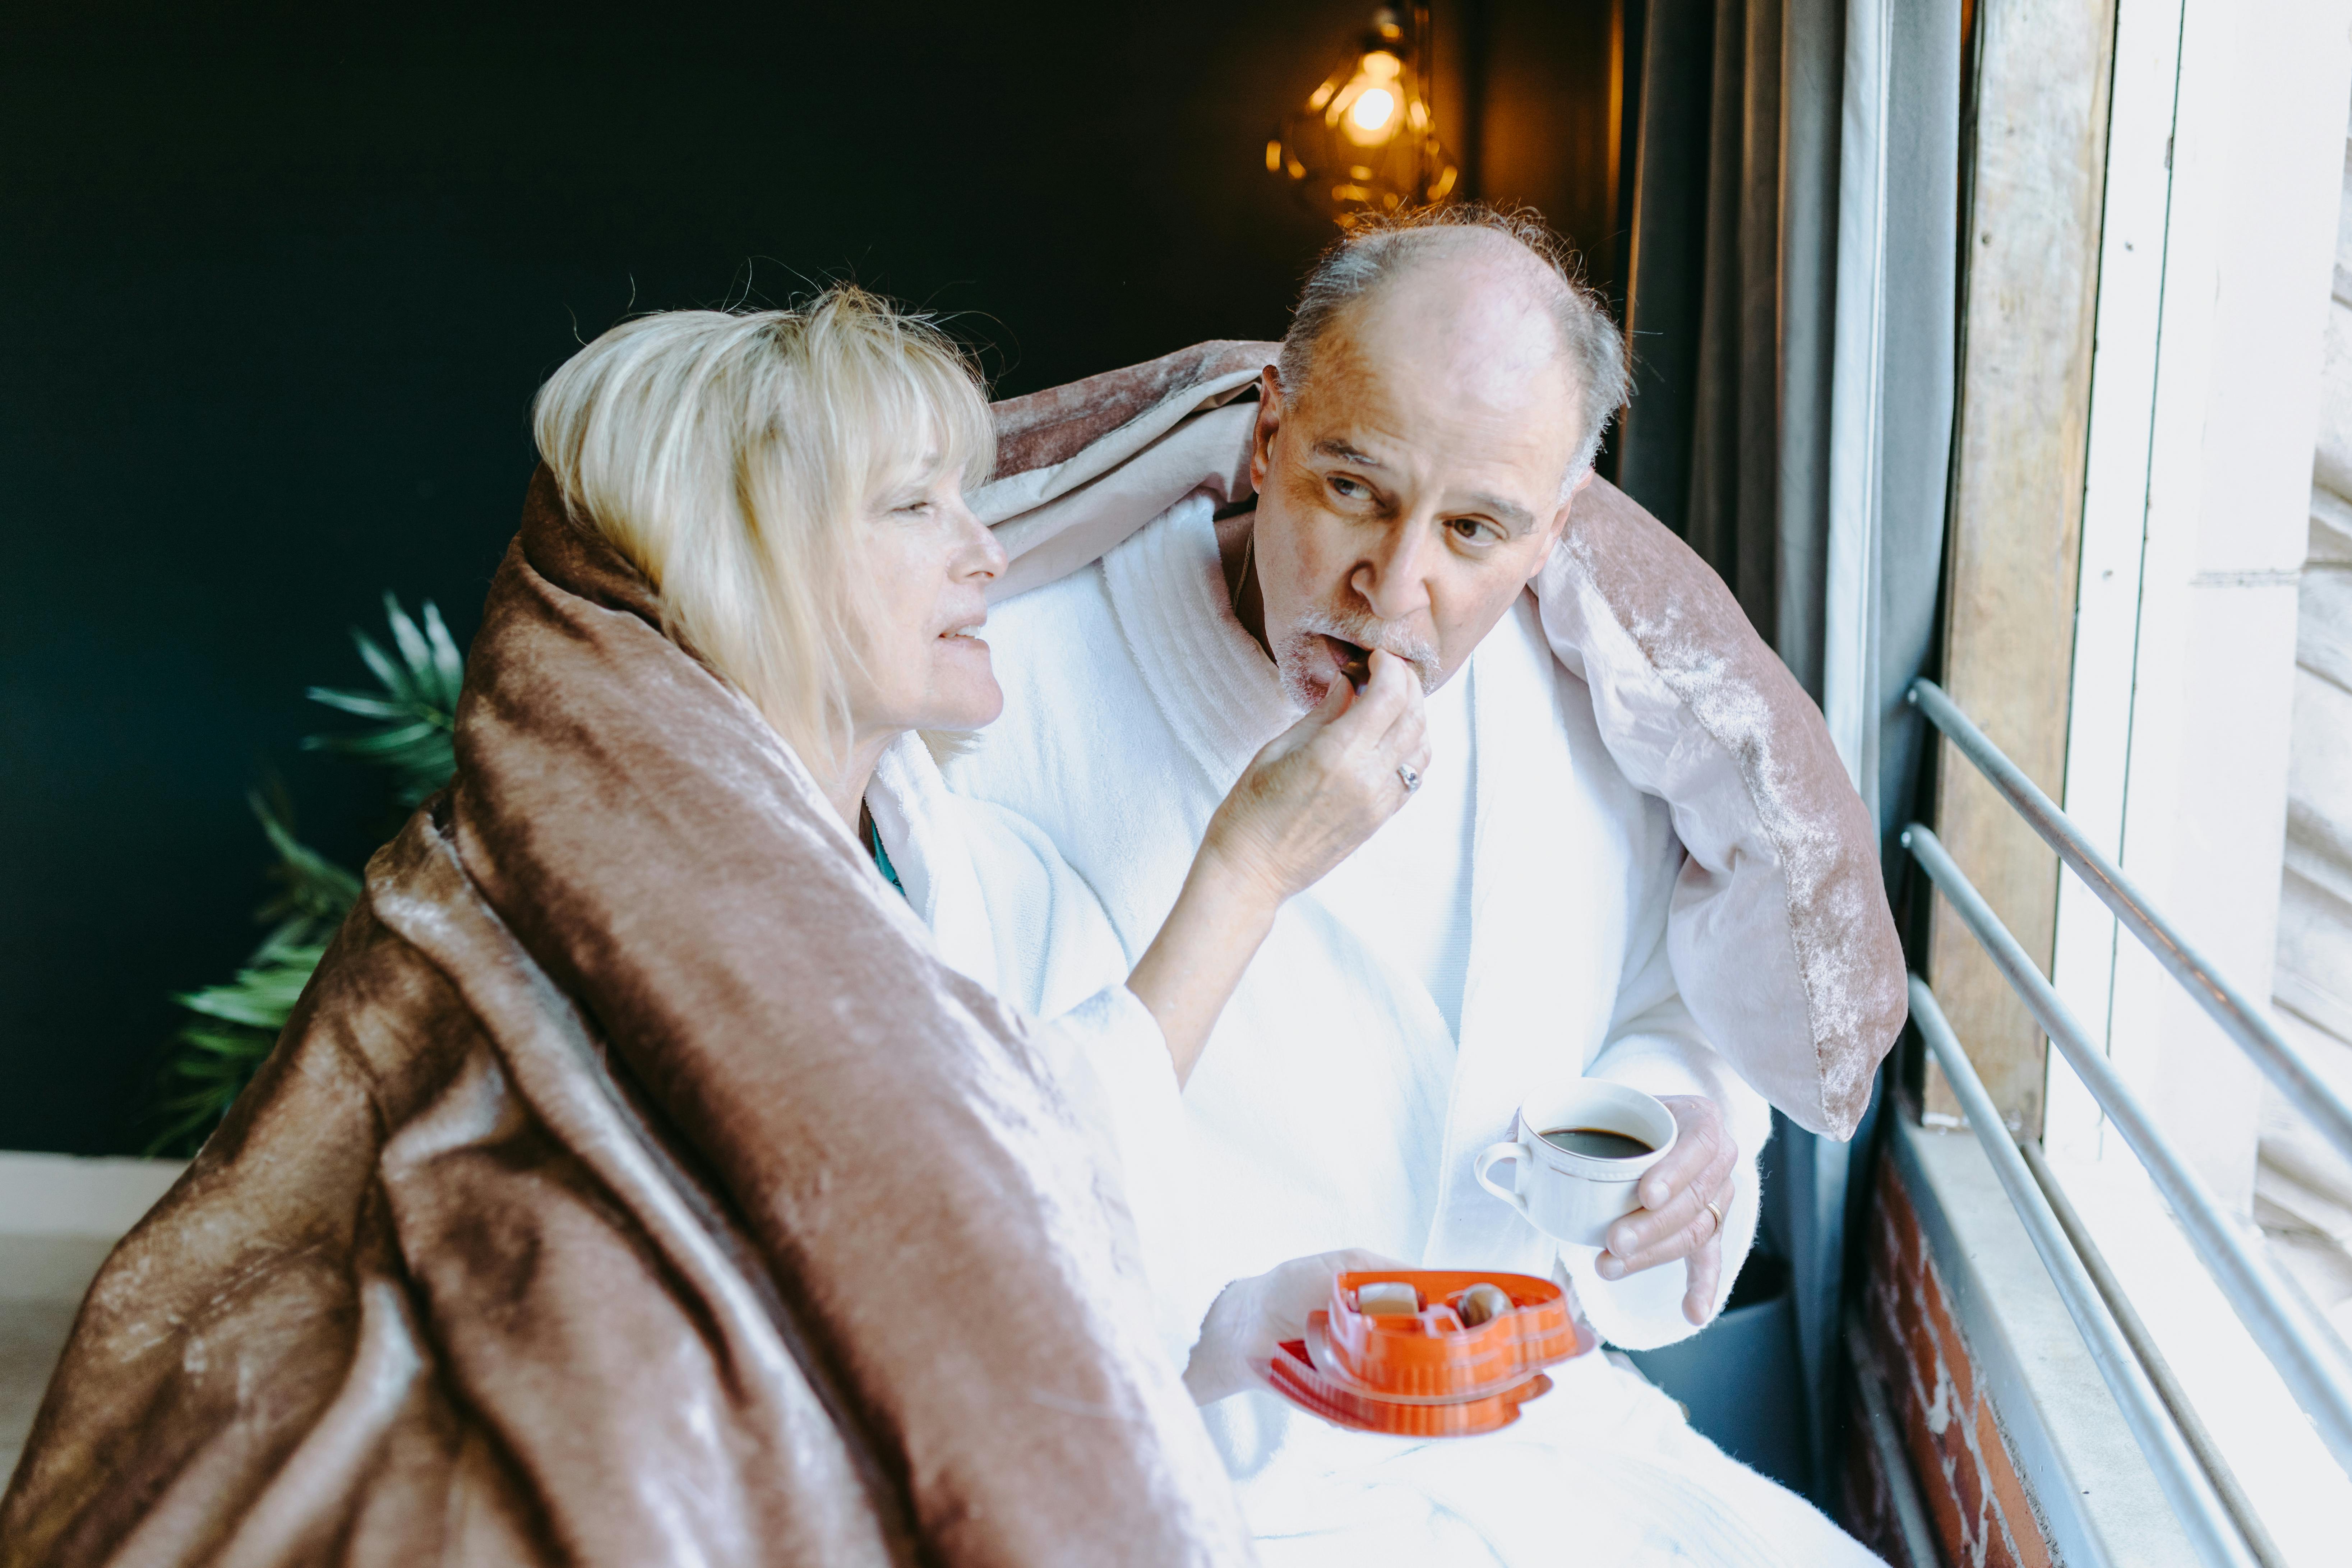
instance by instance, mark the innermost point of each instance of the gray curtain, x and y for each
(1791, 304)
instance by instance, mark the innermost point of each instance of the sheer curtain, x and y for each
(1791, 303)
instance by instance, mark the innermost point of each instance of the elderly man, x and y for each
(1437, 406)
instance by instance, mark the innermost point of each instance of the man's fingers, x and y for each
(1643, 1228)
(1661, 1242)
(1705, 1270)
(1697, 1149)
(1684, 1205)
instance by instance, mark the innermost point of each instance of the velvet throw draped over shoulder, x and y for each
(631, 1185)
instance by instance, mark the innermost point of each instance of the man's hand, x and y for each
(1673, 1220)
(1250, 1317)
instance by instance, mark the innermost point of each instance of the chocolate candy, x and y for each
(1481, 1303)
(1384, 1299)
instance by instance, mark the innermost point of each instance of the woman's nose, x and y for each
(983, 553)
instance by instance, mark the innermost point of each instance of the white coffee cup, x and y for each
(1570, 1197)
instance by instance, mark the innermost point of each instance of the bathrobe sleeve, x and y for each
(1059, 958)
(1112, 1063)
(1655, 1046)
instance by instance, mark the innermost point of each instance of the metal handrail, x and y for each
(2151, 1360)
(2240, 1019)
(2319, 1381)
(2185, 1481)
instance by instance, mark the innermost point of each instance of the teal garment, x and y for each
(882, 857)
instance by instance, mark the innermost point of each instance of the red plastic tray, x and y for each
(1431, 1355)
(1300, 1383)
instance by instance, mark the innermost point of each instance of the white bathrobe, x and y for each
(1333, 1106)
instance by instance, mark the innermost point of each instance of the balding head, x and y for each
(1464, 279)
(1436, 406)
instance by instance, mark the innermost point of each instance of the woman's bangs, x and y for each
(929, 418)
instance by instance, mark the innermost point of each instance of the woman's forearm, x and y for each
(1188, 973)
(1309, 797)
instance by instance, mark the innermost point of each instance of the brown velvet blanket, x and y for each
(631, 1186)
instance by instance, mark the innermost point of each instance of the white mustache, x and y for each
(1370, 632)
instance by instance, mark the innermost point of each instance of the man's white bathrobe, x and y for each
(1333, 1106)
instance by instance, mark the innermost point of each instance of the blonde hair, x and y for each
(726, 455)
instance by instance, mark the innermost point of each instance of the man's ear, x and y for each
(1558, 524)
(1269, 420)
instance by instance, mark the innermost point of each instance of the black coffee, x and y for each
(1594, 1143)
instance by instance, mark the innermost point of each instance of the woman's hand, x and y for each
(1250, 1317)
(1316, 792)
(1324, 785)
(1673, 1220)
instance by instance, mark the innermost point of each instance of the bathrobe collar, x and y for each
(918, 819)
(1220, 694)
(1216, 689)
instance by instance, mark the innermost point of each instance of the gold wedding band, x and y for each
(1719, 1216)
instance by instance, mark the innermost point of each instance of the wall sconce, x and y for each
(1364, 143)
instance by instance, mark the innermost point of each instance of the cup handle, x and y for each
(1491, 1155)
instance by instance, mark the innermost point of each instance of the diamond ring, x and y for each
(1408, 777)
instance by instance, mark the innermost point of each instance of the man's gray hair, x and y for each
(1363, 258)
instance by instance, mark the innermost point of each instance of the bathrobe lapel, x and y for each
(919, 819)
(1543, 960)
(1325, 1060)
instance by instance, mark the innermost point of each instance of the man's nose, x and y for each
(983, 553)
(1392, 578)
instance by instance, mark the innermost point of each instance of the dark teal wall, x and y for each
(276, 284)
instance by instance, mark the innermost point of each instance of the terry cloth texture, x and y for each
(1783, 944)
(631, 1185)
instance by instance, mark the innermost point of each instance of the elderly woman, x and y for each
(638, 1179)
(792, 482)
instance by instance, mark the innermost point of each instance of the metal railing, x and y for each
(2211, 1506)
(2240, 1019)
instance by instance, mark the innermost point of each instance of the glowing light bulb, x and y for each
(1371, 109)
(1364, 142)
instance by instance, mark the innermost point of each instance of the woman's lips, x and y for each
(965, 640)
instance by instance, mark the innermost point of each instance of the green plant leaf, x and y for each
(416, 709)
(359, 703)
(449, 664)
(314, 894)
(235, 1026)
(380, 665)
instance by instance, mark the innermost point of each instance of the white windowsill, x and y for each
(2296, 1484)
(2099, 1500)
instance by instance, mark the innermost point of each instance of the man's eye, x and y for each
(1472, 530)
(1348, 488)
